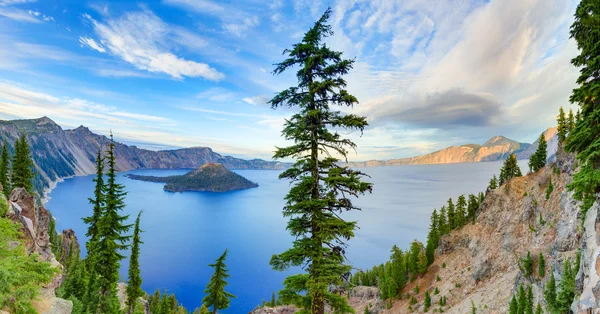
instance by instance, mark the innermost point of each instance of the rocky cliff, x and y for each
(496, 148)
(59, 153)
(33, 220)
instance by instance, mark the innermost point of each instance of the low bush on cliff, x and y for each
(21, 275)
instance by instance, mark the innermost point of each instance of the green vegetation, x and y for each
(321, 187)
(22, 165)
(538, 160)
(134, 284)
(493, 183)
(209, 177)
(111, 238)
(585, 137)
(541, 266)
(510, 169)
(549, 188)
(4, 169)
(216, 296)
(391, 277)
(21, 275)
(563, 126)
(559, 298)
(527, 263)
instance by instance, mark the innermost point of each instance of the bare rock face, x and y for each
(589, 273)
(283, 309)
(362, 297)
(34, 219)
(60, 306)
(69, 242)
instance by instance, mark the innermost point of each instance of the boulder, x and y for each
(60, 306)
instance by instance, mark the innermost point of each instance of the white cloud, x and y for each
(4, 3)
(24, 103)
(141, 39)
(91, 43)
(256, 100)
(238, 29)
(18, 15)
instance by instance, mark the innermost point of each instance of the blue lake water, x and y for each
(184, 232)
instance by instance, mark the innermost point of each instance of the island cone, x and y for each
(211, 177)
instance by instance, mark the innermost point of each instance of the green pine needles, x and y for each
(510, 169)
(134, 284)
(216, 296)
(585, 137)
(4, 168)
(22, 165)
(111, 238)
(538, 160)
(322, 188)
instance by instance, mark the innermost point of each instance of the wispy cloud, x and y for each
(91, 43)
(140, 38)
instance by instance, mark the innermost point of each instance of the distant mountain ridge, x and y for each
(59, 153)
(496, 148)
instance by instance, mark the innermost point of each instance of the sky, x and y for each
(182, 73)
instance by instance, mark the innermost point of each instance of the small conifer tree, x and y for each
(493, 183)
(571, 121)
(550, 292)
(451, 215)
(427, 302)
(510, 169)
(4, 170)
(541, 266)
(538, 159)
(216, 296)
(562, 125)
(528, 265)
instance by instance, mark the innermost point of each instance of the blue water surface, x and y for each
(184, 232)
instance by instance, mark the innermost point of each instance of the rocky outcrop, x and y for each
(34, 219)
(69, 242)
(589, 274)
(60, 154)
(496, 148)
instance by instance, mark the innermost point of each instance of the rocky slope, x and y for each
(59, 153)
(480, 262)
(496, 148)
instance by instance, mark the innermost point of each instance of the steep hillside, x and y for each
(496, 148)
(59, 154)
(480, 263)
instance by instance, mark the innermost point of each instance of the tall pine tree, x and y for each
(570, 121)
(585, 138)
(134, 284)
(216, 296)
(98, 202)
(538, 159)
(4, 169)
(111, 238)
(451, 215)
(322, 187)
(563, 126)
(22, 166)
